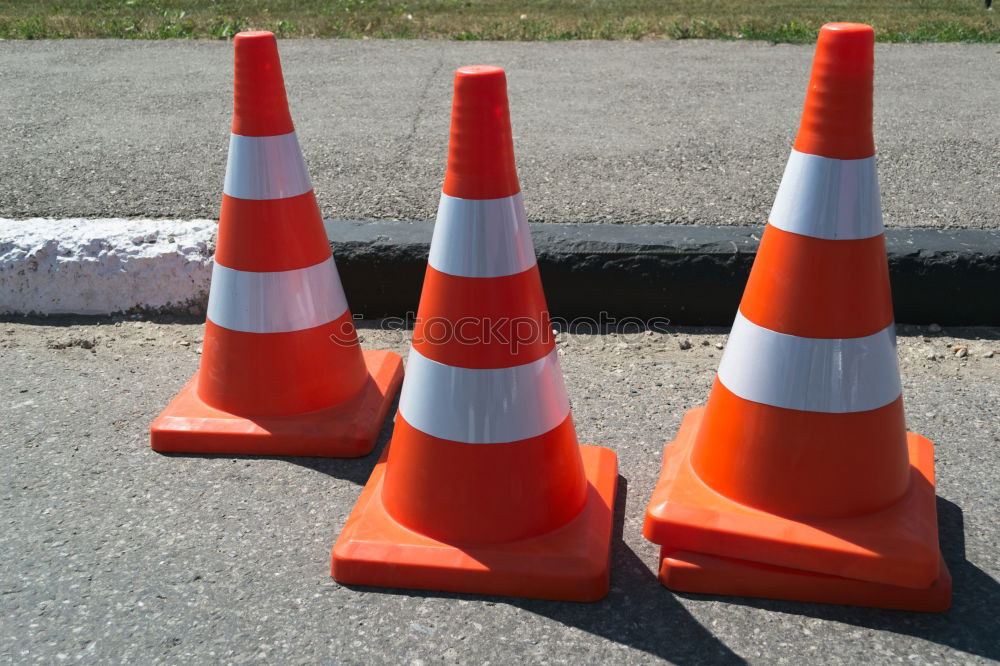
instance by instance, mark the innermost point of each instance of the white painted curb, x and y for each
(103, 266)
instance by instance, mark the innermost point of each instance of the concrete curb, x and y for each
(686, 274)
(689, 275)
(101, 266)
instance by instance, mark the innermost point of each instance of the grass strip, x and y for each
(793, 21)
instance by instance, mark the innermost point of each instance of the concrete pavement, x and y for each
(621, 132)
(115, 554)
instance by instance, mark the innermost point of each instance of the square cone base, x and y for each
(896, 546)
(346, 430)
(570, 563)
(707, 574)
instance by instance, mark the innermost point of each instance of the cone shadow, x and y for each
(967, 626)
(638, 611)
(355, 470)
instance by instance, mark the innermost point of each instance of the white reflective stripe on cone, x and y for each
(265, 167)
(828, 198)
(483, 406)
(276, 302)
(481, 237)
(810, 374)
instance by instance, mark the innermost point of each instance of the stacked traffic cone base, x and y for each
(282, 372)
(698, 573)
(798, 479)
(886, 559)
(484, 487)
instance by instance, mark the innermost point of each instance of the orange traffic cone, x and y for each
(798, 480)
(484, 488)
(282, 372)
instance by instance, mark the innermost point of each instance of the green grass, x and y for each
(771, 20)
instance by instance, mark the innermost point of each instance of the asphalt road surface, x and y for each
(114, 554)
(619, 132)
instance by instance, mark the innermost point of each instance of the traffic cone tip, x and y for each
(483, 71)
(260, 106)
(842, 28)
(253, 34)
(837, 115)
(481, 148)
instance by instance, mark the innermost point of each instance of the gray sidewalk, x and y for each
(618, 132)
